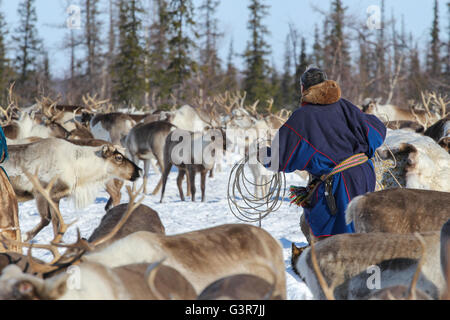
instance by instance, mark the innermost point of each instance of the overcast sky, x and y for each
(233, 16)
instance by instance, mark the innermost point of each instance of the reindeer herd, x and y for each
(74, 152)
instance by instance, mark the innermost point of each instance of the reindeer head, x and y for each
(16, 285)
(118, 165)
(369, 105)
(445, 143)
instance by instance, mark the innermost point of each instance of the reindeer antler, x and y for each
(92, 104)
(412, 287)
(45, 192)
(328, 291)
(269, 105)
(11, 105)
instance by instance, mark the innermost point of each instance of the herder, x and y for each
(333, 140)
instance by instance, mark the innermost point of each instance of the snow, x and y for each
(179, 217)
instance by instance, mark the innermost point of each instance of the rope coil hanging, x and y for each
(247, 206)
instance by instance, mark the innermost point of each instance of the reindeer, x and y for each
(25, 127)
(111, 126)
(244, 248)
(239, 287)
(64, 115)
(402, 211)
(142, 219)
(191, 153)
(97, 282)
(394, 113)
(26, 278)
(405, 124)
(75, 171)
(445, 257)
(440, 132)
(187, 118)
(114, 186)
(345, 260)
(213, 253)
(420, 163)
(146, 141)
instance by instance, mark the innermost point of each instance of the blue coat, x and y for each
(3, 147)
(316, 138)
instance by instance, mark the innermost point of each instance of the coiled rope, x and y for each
(247, 206)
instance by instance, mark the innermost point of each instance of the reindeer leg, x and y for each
(44, 211)
(158, 187)
(188, 185)
(164, 179)
(191, 174)
(203, 183)
(146, 171)
(211, 172)
(181, 174)
(54, 218)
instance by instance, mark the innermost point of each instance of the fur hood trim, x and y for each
(327, 92)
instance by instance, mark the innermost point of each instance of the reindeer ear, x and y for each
(295, 250)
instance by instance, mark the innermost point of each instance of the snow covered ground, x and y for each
(180, 217)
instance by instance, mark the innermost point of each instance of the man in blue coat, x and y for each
(325, 134)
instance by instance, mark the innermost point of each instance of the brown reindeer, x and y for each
(191, 153)
(213, 253)
(111, 126)
(146, 141)
(142, 219)
(239, 287)
(347, 261)
(403, 211)
(445, 257)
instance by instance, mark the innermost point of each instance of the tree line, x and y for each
(161, 53)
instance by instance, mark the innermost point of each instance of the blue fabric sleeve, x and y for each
(376, 133)
(3, 147)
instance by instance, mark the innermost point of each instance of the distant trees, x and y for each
(181, 62)
(257, 70)
(27, 46)
(160, 53)
(209, 35)
(5, 67)
(128, 77)
(92, 43)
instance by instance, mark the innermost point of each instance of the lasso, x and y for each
(247, 206)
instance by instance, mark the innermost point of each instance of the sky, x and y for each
(233, 16)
